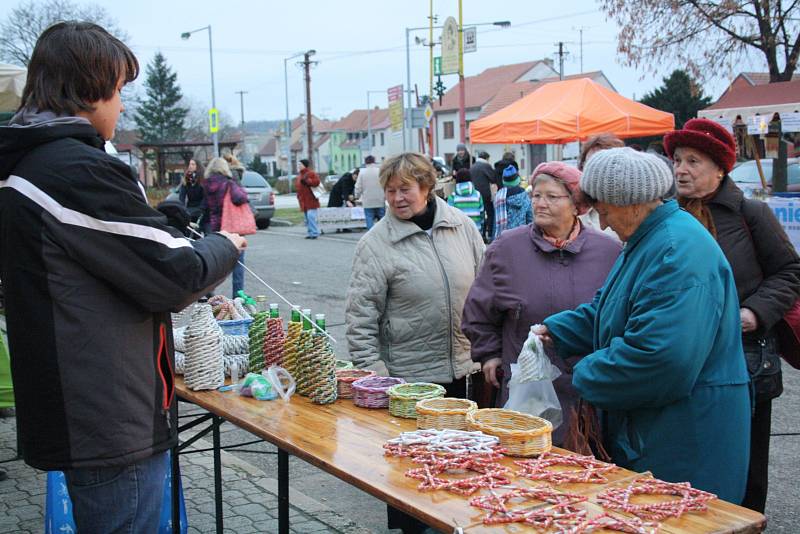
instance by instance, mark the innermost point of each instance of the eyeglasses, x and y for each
(548, 199)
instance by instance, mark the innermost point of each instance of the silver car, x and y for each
(260, 196)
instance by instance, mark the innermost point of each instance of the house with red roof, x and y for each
(360, 133)
(745, 98)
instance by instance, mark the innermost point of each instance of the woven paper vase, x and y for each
(303, 362)
(203, 364)
(290, 348)
(444, 413)
(322, 371)
(403, 397)
(520, 434)
(273, 343)
(258, 332)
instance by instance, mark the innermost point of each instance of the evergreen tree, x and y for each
(680, 95)
(258, 166)
(160, 117)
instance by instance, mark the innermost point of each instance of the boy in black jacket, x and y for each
(90, 274)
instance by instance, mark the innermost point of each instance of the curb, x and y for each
(280, 222)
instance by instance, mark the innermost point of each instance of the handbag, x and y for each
(319, 191)
(236, 219)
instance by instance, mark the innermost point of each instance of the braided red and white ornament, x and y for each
(590, 470)
(556, 509)
(691, 499)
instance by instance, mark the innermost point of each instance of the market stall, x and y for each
(12, 82)
(570, 110)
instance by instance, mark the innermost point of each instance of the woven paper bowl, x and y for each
(403, 397)
(370, 392)
(444, 413)
(345, 379)
(520, 434)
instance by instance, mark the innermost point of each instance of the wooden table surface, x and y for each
(347, 441)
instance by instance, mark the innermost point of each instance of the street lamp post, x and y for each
(369, 121)
(288, 133)
(185, 36)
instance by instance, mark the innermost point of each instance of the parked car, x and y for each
(259, 195)
(746, 175)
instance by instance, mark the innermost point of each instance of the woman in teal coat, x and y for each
(665, 363)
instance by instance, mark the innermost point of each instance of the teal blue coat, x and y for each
(665, 361)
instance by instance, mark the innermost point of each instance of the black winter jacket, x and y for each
(766, 268)
(90, 273)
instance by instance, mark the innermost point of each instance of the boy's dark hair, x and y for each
(369, 159)
(75, 64)
(305, 163)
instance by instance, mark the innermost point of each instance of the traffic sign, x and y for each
(428, 113)
(437, 66)
(470, 39)
(213, 120)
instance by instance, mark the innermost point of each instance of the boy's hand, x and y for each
(238, 241)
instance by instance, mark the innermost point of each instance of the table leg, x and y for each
(217, 421)
(283, 491)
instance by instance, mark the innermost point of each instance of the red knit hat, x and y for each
(708, 137)
(568, 174)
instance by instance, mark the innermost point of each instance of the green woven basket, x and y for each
(403, 397)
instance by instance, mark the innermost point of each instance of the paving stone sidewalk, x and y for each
(250, 502)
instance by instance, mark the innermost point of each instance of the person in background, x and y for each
(766, 269)
(342, 193)
(410, 277)
(512, 204)
(532, 272)
(467, 199)
(88, 317)
(484, 178)
(309, 204)
(237, 169)
(462, 159)
(191, 192)
(218, 182)
(502, 164)
(661, 341)
(369, 190)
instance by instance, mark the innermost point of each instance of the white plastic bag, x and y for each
(530, 389)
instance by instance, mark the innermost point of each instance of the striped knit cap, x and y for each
(623, 177)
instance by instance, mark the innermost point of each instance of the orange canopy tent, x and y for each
(560, 112)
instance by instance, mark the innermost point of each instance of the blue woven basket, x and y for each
(235, 327)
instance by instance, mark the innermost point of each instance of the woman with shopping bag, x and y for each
(228, 210)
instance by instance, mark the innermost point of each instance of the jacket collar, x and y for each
(545, 246)
(652, 220)
(400, 229)
(728, 195)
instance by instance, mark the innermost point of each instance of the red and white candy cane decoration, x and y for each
(691, 499)
(557, 509)
(591, 470)
(490, 474)
(446, 441)
(606, 521)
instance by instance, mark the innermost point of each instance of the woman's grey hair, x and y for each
(218, 166)
(544, 177)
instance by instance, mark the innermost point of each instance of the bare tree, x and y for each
(20, 30)
(706, 37)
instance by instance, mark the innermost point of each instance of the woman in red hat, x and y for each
(765, 265)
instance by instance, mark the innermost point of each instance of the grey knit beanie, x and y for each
(623, 177)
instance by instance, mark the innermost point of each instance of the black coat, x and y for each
(342, 190)
(483, 176)
(459, 162)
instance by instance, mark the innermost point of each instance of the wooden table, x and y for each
(347, 441)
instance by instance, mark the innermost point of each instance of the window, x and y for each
(373, 139)
(381, 138)
(467, 128)
(448, 130)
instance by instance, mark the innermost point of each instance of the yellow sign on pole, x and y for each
(395, 95)
(213, 120)
(450, 45)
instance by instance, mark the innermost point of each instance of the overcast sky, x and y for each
(360, 46)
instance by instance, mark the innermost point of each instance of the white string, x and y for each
(284, 299)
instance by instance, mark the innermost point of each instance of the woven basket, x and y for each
(520, 434)
(235, 327)
(370, 392)
(444, 413)
(403, 397)
(345, 379)
(343, 364)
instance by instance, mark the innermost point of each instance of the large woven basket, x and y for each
(444, 413)
(345, 379)
(520, 434)
(235, 327)
(370, 392)
(403, 397)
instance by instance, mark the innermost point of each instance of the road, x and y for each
(315, 274)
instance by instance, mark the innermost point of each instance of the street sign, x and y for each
(418, 118)
(450, 37)
(395, 96)
(428, 113)
(213, 120)
(757, 125)
(470, 39)
(437, 66)
(790, 122)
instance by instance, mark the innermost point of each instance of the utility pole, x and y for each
(580, 31)
(560, 60)
(241, 104)
(309, 125)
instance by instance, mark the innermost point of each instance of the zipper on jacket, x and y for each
(449, 306)
(165, 374)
